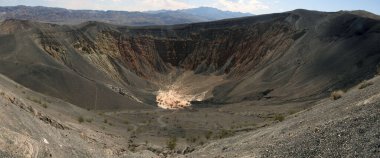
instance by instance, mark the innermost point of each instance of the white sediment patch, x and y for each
(45, 141)
(176, 98)
(186, 88)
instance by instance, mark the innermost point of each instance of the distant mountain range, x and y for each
(161, 17)
(203, 13)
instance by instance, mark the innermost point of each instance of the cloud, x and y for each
(242, 5)
(80, 4)
(144, 5)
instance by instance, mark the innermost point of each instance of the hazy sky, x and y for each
(252, 6)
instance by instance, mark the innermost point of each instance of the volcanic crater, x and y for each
(138, 87)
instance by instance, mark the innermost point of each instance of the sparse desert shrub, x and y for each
(192, 139)
(224, 133)
(279, 117)
(208, 134)
(30, 109)
(89, 120)
(337, 94)
(105, 121)
(2, 93)
(172, 143)
(80, 119)
(291, 112)
(365, 84)
(38, 101)
(126, 122)
(44, 105)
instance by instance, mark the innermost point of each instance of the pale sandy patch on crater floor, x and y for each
(186, 88)
(175, 99)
